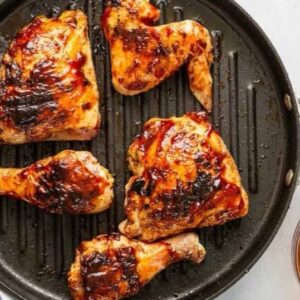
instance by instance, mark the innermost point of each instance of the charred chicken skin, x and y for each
(142, 55)
(48, 88)
(71, 182)
(184, 178)
(112, 267)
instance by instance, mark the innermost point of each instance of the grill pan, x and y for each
(254, 110)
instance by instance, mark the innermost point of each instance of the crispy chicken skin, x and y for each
(48, 89)
(111, 267)
(142, 56)
(184, 178)
(71, 182)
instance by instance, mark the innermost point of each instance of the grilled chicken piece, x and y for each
(142, 56)
(48, 88)
(184, 178)
(112, 267)
(71, 182)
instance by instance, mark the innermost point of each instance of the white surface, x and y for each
(273, 276)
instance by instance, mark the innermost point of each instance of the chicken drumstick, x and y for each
(111, 267)
(70, 182)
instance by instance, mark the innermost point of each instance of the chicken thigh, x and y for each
(48, 88)
(111, 267)
(184, 178)
(71, 182)
(142, 56)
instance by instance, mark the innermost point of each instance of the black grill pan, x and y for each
(254, 109)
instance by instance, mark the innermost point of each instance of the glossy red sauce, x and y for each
(169, 31)
(77, 71)
(159, 73)
(27, 34)
(164, 127)
(26, 103)
(64, 186)
(207, 190)
(106, 273)
(198, 117)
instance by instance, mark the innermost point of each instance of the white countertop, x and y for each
(273, 276)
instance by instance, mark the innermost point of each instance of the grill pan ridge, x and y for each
(250, 82)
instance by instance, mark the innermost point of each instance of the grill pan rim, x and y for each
(264, 42)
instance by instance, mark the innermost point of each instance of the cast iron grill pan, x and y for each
(36, 248)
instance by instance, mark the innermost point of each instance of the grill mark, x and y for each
(58, 243)
(81, 220)
(8, 159)
(44, 240)
(107, 114)
(170, 89)
(68, 250)
(163, 103)
(63, 243)
(216, 38)
(3, 215)
(199, 49)
(217, 107)
(22, 227)
(89, 8)
(118, 156)
(110, 138)
(40, 239)
(234, 106)
(99, 52)
(128, 132)
(24, 156)
(76, 233)
(219, 235)
(252, 139)
(3, 201)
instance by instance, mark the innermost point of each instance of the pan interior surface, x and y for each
(36, 249)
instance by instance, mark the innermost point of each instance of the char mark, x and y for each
(180, 203)
(134, 39)
(24, 108)
(137, 85)
(60, 189)
(113, 3)
(161, 50)
(103, 273)
(139, 186)
(23, 103)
